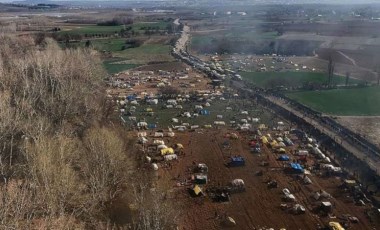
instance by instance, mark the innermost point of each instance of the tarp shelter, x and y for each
(202, 168)
(307, 180)
(149, 109)
(284, 158)
(204, 112)
(200, 179)
(170, 157)
(281, 150)
(297, 167)
(350, 183)
(152, 126)
(264, 140)
(273, 144)
(131, 97)
(238, 183)
(179, 146)
(326, 206)
(167, 151)
(197, 190)
(262, 126)
(237, 161)
(335, 226)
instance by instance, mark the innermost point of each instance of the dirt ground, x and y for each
(368, 127)
(256, 208)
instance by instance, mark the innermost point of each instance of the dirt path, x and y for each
(348, 58)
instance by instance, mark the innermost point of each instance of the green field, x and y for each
(345, 102)
(117, 65)
(95, 29)
(290, 79)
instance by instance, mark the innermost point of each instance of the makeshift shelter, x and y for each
(237, 161)
(200, 179)
(167, 151)
(178, 146)
(297, 168)
(274, 144)
(155, 166)
(158, 142)
(335, 226)
(281, 150)
(284, 158)
(264, 140)
(238, 184)
(170, 157)
(162, 147)
(326, 206)
(204, 112)
(197, 191)
(307, 180)
(152, 126)
(201, 167)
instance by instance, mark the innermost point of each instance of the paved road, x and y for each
(358, 152)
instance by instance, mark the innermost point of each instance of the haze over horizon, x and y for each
(203, 1)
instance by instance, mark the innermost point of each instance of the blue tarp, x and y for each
(283, 158)
(131, 97)
(152, 126)
(237, 161)
(204, 112)
(297, 167)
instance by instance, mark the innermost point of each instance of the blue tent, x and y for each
(131, 97)
(237, 161)
(297, 167)
(204, 112)
(152, 126)
(284, 158)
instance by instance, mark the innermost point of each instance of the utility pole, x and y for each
(330, 71)
(347, 77)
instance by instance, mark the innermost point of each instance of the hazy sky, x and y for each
(285, 1)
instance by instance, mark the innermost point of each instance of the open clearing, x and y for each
(344, 102)
(291, 79)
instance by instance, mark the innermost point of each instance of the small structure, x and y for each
(236, 161)
(200, 179)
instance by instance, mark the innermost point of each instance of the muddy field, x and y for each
(258, 207)
(368, 127)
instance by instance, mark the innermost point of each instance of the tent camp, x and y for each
(167, 151)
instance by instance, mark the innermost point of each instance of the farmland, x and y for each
(111, 30)
(350, 102)
(290, 79)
